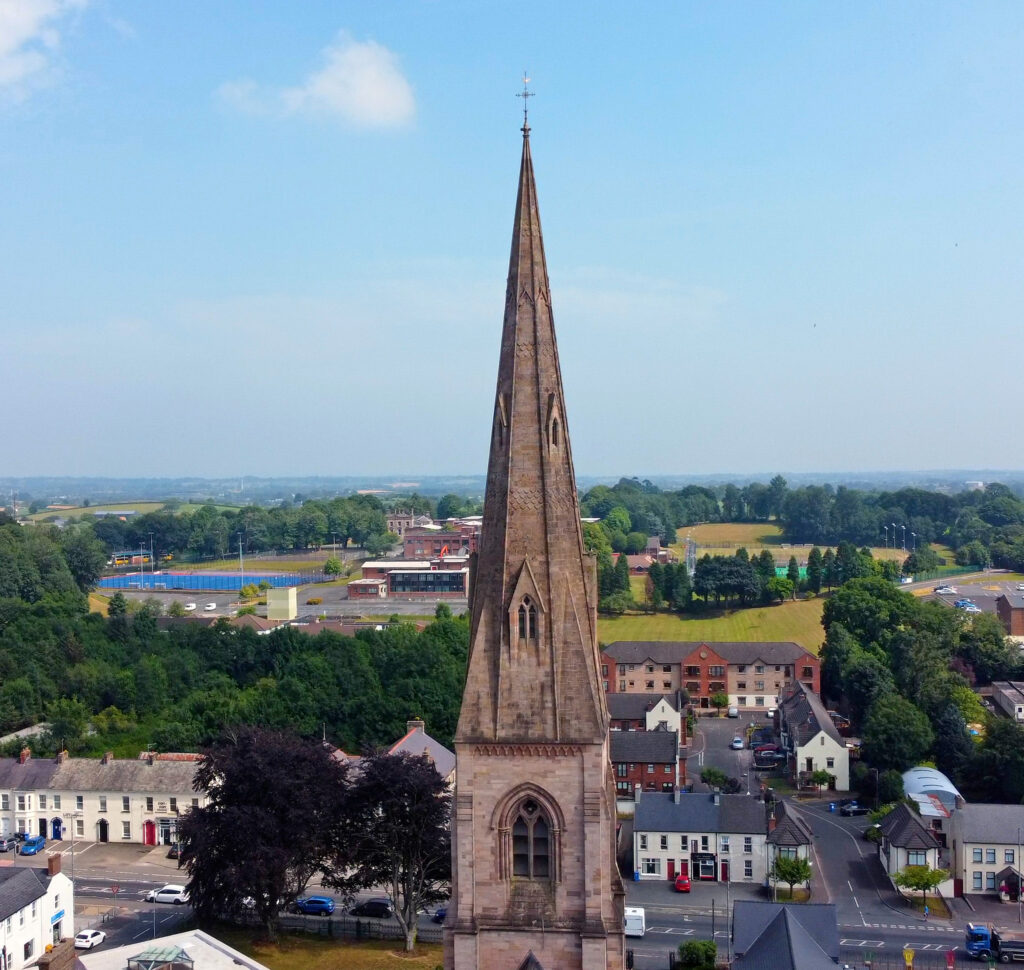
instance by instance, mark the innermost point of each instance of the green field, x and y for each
(139, 508)
(799, 621)
(724, 538)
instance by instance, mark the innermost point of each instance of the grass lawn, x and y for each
(140, 508)
(724, 538)
(799, 895)
(799, 621)
(254, 565)
(936, 906)
(98, 603)
(302, 952)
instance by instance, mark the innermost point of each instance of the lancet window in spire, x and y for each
(531, 842)
(527, 620)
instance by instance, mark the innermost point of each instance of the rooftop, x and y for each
(624, 705)
(205, 951)
(777, 936)
(655, 747)
(997, 824)
(733, 651)
(658, 812)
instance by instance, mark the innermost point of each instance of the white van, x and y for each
(635, 923)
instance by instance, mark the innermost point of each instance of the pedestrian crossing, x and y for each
(917, 927)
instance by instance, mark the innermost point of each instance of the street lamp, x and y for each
(886, 528)
(913, 542)
(904, 528)
(241, 564)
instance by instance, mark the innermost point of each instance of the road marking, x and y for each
(877, 944)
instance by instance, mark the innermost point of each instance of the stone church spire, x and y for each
(534, 880)
(533, 668)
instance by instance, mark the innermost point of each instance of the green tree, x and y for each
(791, 871)
(920, 879)
(713, 777)
(622, 574)
(117, 605)
(85, 555)
(698, 954)
(442, 612)
(68, 719)
(820, 778)
(793, 573)
(828, 569)
(815, 570)
(719, 701)
(332, 567)
(973, 554)
(779, 588)
(896, 733)
(890, 786)
(380, 543)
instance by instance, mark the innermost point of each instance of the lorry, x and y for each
(635, 923)
(989, 943)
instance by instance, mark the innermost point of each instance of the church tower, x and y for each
(534, 884)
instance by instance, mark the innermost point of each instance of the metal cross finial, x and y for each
(526, 94)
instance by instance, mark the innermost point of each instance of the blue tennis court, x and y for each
(201, 581)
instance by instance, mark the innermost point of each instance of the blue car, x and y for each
(33, 845)
(315, 905)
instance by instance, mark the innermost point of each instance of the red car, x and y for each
(682, 884)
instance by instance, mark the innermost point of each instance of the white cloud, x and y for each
(29, 37)
(360, 82)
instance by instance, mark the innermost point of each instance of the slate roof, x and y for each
(19, 887)
(791, 828)
(416, 742)
(734, 814)
(995, 824)
(652, 747)
(88, 774)
(27, 777)
(778, 936)
(733, 651)
(903, 828)
(636, 706)
(805, 716)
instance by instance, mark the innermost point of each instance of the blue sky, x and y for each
(272, 238)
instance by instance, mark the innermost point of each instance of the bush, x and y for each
(698, 954)
(314, 601)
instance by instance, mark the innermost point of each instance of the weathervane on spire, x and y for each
(526, 94)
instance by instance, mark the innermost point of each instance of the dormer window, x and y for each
(527, 620)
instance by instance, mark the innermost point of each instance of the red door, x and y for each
(725, 871)
(684, 867)
(149, 833)
(671, 870)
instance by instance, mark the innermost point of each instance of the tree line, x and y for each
(904, 671)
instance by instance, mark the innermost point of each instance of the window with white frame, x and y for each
(990, 880)
(149, 803)
(126, 830)
(103, 803)
(748, 843)
(21, 803)
(830, 762)
(5, 802)
(977, 882)
(651, 867)
(126, 803)
(643, 841)
(1008, 856)
(704, 843)
(664, 842)
(56, 801)
(917, 857)
(79, 827)
(976, 855)
(724, 843)
(786, 852)
(79, 802)
(682, 843)
(174, 804)
(748, 868)
(42, 801)
(990, 857)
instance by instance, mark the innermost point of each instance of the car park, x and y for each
(847, 811)
(736, 743)
(87, 939)
(378, 908)
(315, 905)
(33, 845)
(167, 894)
(945, 590)
(8, 842)
(971, 608)
(1020, 587)
(682, 884)
(210, 607)
(190, 607)
(961, 603)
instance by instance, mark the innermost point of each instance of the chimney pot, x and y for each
(53, 864)
(25, 755)
(415, 724)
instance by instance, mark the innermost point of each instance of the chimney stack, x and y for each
(108, 756)
(62, 756)
(26, 754)
(53, 864)
(415, 724)
(676, 795)
(717, 798)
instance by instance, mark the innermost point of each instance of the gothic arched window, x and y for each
(527, 620)
(554, 432)
(531, 842)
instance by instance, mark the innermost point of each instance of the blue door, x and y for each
(56, 826)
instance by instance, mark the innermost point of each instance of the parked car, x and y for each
(167, 894)
(971, 608)
(87, 939)
(768, 760)
(33, 845)
(770, 713)
(736, 743)
(190, 607)
(174, 851)
(849, 810)
(734, 712)
(762, 748)
(8, 842)
(379, 908)
(439, 915)
(315, 905)
(210, 607)
(1020, 587)
(682, 884)
(961, 603)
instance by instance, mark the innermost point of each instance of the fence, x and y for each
(348, 927)
(206, 581)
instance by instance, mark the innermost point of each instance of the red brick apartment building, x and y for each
(427, 543)
(751, 673)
